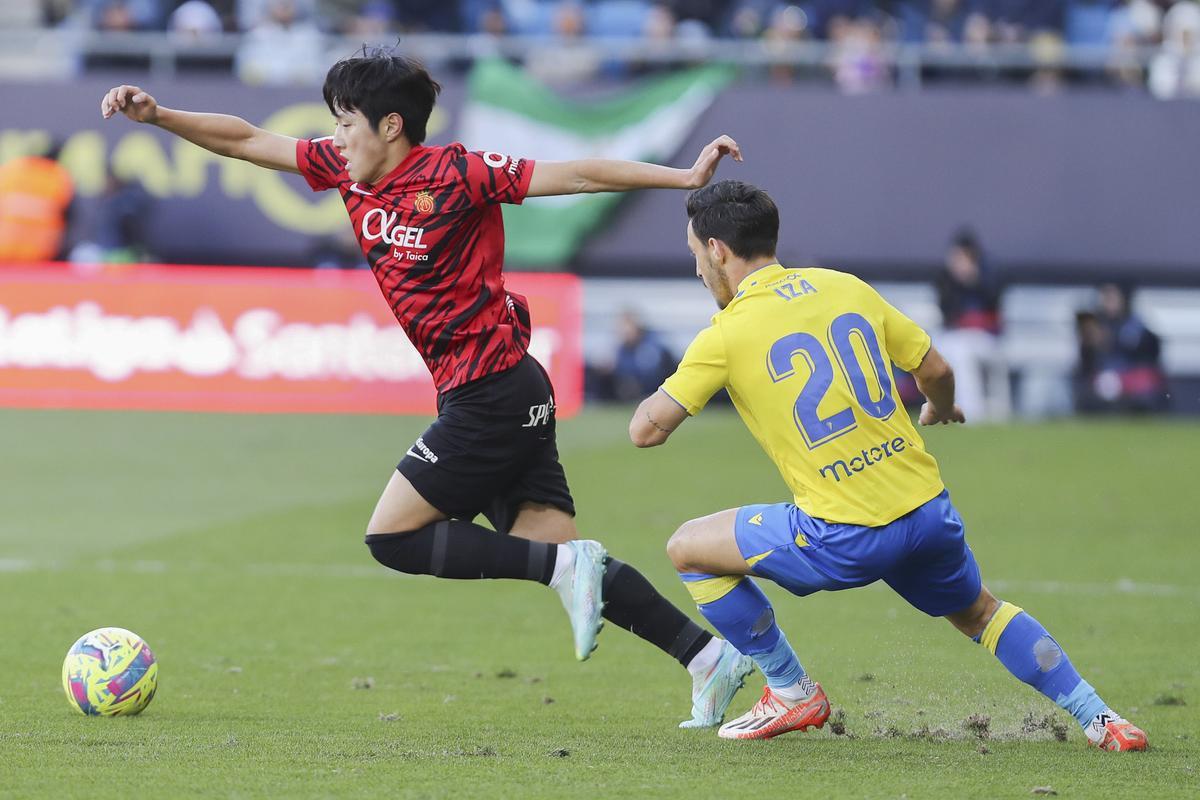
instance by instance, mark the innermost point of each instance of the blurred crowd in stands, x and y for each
(857, 30)
(1118, 369)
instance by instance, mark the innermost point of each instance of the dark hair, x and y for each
(966, 239)
(742, 216)
(378, 83)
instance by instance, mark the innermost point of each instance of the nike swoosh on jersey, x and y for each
(418, 456)
(354, 188)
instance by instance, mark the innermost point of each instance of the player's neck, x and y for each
(738, 269)
(397, 152)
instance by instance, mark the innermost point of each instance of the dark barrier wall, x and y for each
(1066, 187)
(1078, 184)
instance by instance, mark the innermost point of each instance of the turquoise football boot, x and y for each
(713, 692)
(582, 594)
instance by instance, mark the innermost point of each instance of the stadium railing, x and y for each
(64, 52)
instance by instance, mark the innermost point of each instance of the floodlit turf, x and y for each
(293, 666)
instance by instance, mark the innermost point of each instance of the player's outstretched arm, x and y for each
(656, 418)
(606, 175)
(222, 134)
(935, 379)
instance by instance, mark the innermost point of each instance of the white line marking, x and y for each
(1122, 586)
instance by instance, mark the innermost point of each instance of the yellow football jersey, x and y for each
(806, 356)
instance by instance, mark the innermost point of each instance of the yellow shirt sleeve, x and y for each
(703, 371)
(905, 341)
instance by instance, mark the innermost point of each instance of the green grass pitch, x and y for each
(292, 665)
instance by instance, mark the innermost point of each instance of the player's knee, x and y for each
(681, 546)
(381, 549)
(406, 552)
(972, 620)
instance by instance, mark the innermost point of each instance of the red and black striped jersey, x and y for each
(433, 233)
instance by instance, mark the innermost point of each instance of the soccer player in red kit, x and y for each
(429, 223)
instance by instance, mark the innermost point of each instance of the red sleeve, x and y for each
(495, 177)
(320, 163)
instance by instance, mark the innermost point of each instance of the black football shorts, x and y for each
(491, 448)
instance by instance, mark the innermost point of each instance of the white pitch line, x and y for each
(109, 565)
(1122, 586)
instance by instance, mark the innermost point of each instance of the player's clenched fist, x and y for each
(931, 416)
(131, 101)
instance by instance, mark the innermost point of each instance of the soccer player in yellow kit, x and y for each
(806, 355)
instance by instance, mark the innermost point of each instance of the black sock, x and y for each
(455, 548)
(631, 602)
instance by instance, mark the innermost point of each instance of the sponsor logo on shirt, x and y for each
(380, 224)
(421, 451)
(869, 458)
(499, 161)
(540, 414)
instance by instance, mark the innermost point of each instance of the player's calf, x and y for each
(465, 551)
(1033, 656)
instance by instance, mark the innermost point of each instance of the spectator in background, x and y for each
(969, 298)
(786, 26)
(124, 15)
(252, 13)
(826, 17)
(933, 22)
(283, 47)
(1175, 71)
(119, 234)
(563, 60)
(36, 193)
(698, 18)
(483, 16)
(368, 19)
(434, 16)
(1049, 52)
(1132, 26)
(56, 12)
(1014, 21)
(641, 363)
(857, 61)
(195, 20)
(1119, 358)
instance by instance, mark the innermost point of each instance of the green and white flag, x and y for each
(508, 112)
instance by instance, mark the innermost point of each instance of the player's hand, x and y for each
(930, 415)
(131, 101)
(706, 165)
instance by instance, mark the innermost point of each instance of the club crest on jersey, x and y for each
(424, 203)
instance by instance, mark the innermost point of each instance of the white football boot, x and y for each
(581, 593)
(713, 691)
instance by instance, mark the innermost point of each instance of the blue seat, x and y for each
(616, 19)
(1087, 23)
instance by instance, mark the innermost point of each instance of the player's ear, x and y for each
(717, 251)
(392, 127)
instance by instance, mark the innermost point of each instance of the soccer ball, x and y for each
(110, 672)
